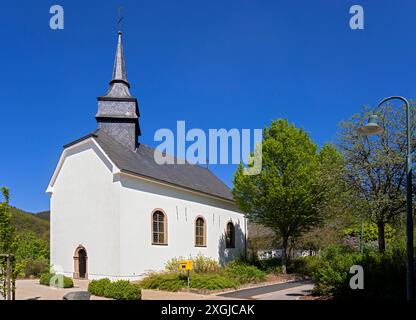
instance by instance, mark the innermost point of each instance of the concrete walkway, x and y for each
(290, 290)
(32, 290)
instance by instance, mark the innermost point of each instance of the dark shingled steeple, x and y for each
(119, 86)
(118, 111)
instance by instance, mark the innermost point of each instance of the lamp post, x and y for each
(372, 128)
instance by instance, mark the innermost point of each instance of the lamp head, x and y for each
(371, 128)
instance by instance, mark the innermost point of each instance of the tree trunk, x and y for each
(381, 238)
(284, 254)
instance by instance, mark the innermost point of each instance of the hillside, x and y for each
(45, 215)
(26, 222)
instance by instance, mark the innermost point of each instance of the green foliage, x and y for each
(164, 281)
(288, 192)
(7, 238)
(178, 281)
(376, 165)
(7, 231)
(119, 290)
(29, 241)
(271, 265)
(384, 273)
(32, 267)
(98, 287)
(370, 231)
(56, 280)
(243, 272)
(212, 281)
(303, 265)
(201, 264)
(332, 272)
(26, 222)
(32, 254)
(207, 274)
(29, 246)
(45, 215)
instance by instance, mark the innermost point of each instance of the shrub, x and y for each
(56, 280)
(34, 267)
(164, 281)
(212, 281)
(243, 272)
(303, 265)
(119, 290)
(177, 281)
(384, 274)
(122, 290)
(201, 264)
(97, 287)
(272, 265)
(332, 274)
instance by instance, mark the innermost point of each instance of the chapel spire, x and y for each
(118, 112)
(119, 85)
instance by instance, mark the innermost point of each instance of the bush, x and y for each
(332, 273)
(178, 281)
(201, 264)
(164, 281)
(272, 265)
(303, 265)
(34, 267)
(119, 290)
(384, 273)
(212, 281)
(97, 287)
(56, 280)
(243, 272)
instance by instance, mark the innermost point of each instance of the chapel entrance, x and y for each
(80, 263)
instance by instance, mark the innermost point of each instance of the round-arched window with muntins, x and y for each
(230, 236)
(159, 228)
(200, 232)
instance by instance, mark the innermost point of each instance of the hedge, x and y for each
(233, 275)
(384, 273)
(56, 280)
(119, 290)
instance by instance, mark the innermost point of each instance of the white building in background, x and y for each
(116, 213)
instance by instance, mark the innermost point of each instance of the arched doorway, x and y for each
(80, 263)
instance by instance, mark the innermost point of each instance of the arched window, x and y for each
(200, 232)
(159, 228)
(230, 236)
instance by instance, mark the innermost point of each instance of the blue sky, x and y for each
(215, 64)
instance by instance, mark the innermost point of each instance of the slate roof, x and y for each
(141, 162)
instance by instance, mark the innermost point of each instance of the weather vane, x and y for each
(120, 18)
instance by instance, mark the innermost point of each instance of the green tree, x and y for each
(286, 195)
(375, 170)
(6, 237)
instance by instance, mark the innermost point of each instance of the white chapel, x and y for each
(116, 213)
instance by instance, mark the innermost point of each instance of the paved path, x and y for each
(291, 290)
(32, 290)
(165, 295)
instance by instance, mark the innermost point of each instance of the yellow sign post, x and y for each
(186, 265)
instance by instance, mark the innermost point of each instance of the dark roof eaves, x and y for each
(177, 185)
(90, 135)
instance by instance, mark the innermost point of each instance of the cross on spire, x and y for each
(120, 18)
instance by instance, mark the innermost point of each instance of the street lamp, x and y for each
(372, 128)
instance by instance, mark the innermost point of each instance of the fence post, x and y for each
(9, 277)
